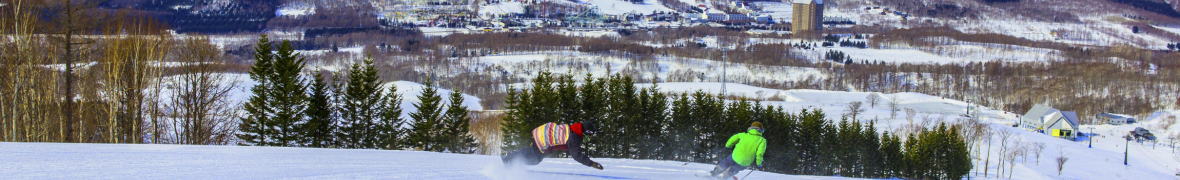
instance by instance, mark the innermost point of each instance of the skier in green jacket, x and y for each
(748, 149)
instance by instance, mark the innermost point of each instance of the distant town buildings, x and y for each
(807, 16)
(1115, 119)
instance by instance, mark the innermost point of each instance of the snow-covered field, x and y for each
(502, 8)
(619, 7)
(154, 161)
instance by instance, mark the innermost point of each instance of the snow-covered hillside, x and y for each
(143, 161)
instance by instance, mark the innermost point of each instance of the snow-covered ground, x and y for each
(619, 7)
(502, 8)
(409, 92)
(154, 161)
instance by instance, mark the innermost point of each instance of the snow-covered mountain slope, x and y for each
(144, 161)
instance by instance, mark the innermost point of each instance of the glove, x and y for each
(596, 166)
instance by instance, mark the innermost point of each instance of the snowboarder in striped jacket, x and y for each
(748, 149)
(552, 137)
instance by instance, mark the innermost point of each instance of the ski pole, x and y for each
(748, 174)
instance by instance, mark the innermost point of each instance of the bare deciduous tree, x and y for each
(873, 99)
(30, 105)
(910, 114)
(130, 66)
(894, 107)
(1005, 136)
(987, 135)
(197, 107)
(1061, 162)
(853, 110)
(1038, 148)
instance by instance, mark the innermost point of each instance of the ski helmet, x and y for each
(589, 127)
(757, 126)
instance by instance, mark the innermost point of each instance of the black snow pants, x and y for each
(529, 155)
(726, 167)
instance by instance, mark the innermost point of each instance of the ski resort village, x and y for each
(590, 89)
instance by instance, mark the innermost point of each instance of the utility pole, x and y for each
(1126, 147)
(724, 70)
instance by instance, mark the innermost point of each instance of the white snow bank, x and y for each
(154, 161)
(619, 7)
(502, 8)
(297, 9)
(238, 94)
(409, 92)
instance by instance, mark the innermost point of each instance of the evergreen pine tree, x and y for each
(683, 128)
(959, 155)
(810, 141)
(892, 163)
(288, 96)
(320, 126)
(424, 132)
(254, 127)
(843, 152)
(657, 114)
(652, 119)
(515, 126)
(389, 131)
(594, 104)
(710, 109)
(913, 159)
(593, 99)
(458, 134)
(774, 121)
(361, 103)
(622, 112)
(568, 101)
(642, 129)
(829, 143)
(528, 109)
(871, 156)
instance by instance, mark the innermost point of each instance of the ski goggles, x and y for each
(760, 130)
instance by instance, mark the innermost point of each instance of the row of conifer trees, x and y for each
(643, 123)
(357, 112)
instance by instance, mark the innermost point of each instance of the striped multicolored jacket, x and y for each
(550, 135)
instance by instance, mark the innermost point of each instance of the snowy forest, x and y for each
(287, 110)
(640, 123)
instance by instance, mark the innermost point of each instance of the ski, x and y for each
(713, 177)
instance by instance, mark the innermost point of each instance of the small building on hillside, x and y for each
(1047, 120)
(1115, 119)
(807, 16)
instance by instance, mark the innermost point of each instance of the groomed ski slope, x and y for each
(154, 161)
